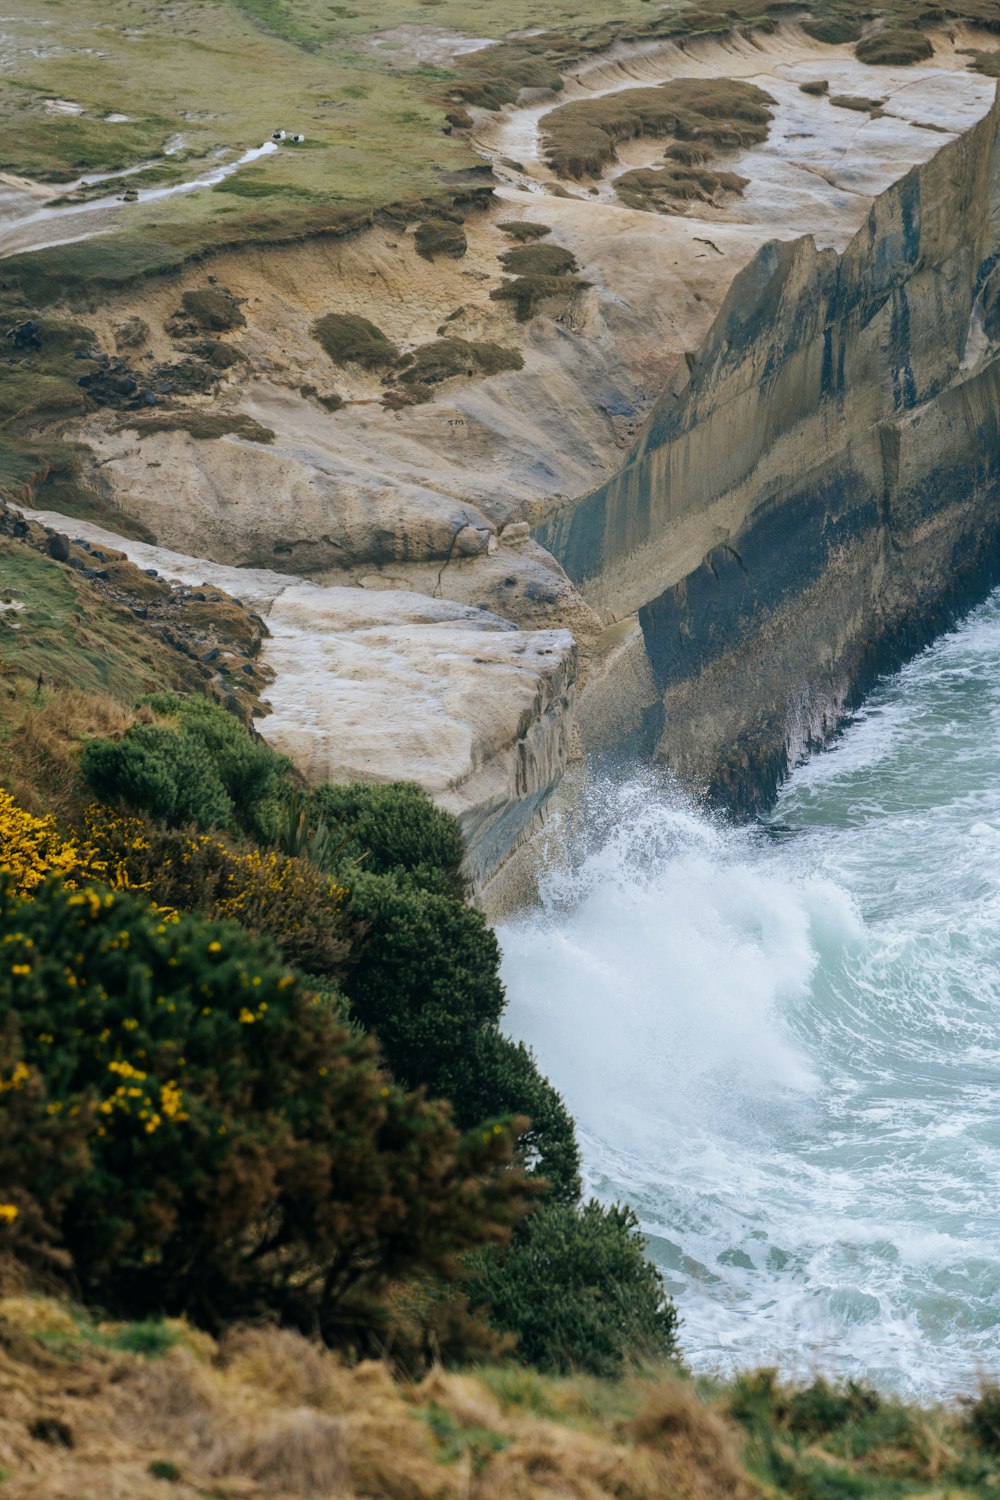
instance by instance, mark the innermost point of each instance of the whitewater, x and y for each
(781, 1042)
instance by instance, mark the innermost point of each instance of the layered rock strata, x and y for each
(818, 487)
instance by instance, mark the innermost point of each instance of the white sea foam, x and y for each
(782, 1044)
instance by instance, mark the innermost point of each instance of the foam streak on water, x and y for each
(782, 1044)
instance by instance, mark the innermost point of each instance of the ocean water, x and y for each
(782, 1043)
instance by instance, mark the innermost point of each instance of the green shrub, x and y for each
(390, 828)
(167, 773)
(198, 766)
(425, 972)
(205, 1136)
(502, 1077)
(426, 979)
(151, 1338)
(350, 339)
(983, 1417)
(821, 1408)
(577, 1290)
(284, 897)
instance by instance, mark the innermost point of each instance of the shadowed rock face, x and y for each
(819, 491)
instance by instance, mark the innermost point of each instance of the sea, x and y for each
(781, 1041)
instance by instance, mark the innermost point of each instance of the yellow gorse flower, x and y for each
(32, 849)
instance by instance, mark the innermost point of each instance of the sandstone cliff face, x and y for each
(818, 488)
(810, 489)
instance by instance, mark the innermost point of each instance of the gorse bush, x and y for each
(195, 1129)
(206, 1137)
(198, 765)
(577, 1290)
(32, 848)
(287, 898)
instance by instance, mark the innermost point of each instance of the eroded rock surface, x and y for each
(390, 686)
(820, 323)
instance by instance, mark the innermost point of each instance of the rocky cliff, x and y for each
(817, 488)
(469, 574)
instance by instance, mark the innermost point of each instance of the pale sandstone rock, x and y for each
(388, 686)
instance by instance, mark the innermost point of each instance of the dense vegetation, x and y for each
(196, 1120)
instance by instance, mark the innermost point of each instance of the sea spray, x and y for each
(782, 1042)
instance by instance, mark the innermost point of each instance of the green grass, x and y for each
(455, 1440)
(151, 1339)
(66, 634)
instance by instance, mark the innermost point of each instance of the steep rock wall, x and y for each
(818, 488)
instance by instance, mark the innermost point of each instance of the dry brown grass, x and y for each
(40, 754)
(269, 1416)
(669, 190)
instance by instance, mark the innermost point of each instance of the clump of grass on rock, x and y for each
(205, 424)
(213, 309)
(670, 189)
(446, 358)
(580, 138)
(523, 230)
(835, 31)
(538, 260)
(439, 237)
(896, 46)
(541, 272)
(350, 339)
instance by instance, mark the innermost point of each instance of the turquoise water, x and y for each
(782, 1043)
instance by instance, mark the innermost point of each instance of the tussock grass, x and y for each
(439, 237)
(447, 358)
(538, 260)
(528, 293)
(668, 190)
(987, 63)
(159, 1410)
(580, 138)
(895, 46)
(523, 230)
(350, 339)
(213, 310)
(203, 425)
